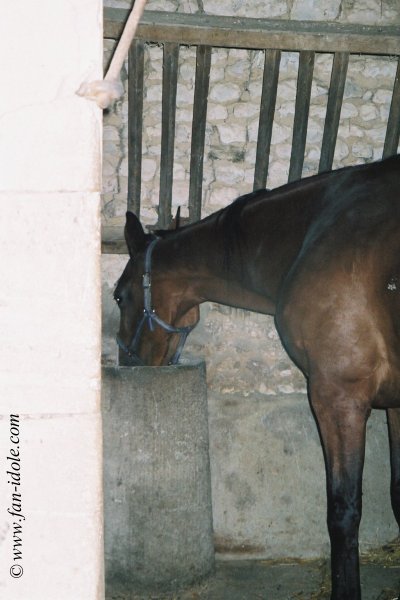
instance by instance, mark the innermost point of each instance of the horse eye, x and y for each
(117, 300)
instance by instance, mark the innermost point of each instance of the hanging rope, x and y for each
(110, 88)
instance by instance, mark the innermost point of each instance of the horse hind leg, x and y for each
(393, 418)
(342, 427)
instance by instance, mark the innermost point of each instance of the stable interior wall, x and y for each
(50, 426)
(268, 479)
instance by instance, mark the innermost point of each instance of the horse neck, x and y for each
(211, 266)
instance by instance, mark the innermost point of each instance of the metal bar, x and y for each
(203, 63)
(335, 99)
(303, 94)
(169, 85)
(233, 32)
(135, 123)
(393, 127)
(266, 120)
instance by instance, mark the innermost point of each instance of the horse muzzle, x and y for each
(130, 357)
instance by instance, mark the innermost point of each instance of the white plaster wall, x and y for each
(50, 153)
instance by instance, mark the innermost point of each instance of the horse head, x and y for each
(155, 315)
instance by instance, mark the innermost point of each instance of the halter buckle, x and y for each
(146, 280)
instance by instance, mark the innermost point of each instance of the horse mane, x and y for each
(229, 226)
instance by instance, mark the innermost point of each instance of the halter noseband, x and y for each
(150, 316)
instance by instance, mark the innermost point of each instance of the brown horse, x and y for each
(323, 256)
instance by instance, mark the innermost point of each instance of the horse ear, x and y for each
(178, 218)
(135, 236)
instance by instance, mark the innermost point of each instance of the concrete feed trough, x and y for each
(157, 490)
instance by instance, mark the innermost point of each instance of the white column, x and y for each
(51, 545)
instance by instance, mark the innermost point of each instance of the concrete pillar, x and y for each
(158, 515)
(50, 423)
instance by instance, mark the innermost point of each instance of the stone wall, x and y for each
(249, 374)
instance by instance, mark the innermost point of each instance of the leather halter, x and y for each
(150, 317)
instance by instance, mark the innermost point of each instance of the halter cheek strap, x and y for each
(150, 316)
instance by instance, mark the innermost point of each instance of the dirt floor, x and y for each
(289, 580)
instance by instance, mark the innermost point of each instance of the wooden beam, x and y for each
(303, 95)
(333, 109)
(169, 85)
(112, 240)
(266, 120)
(203, 63)
(393, 125)
(135, 124)
(233, 32)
